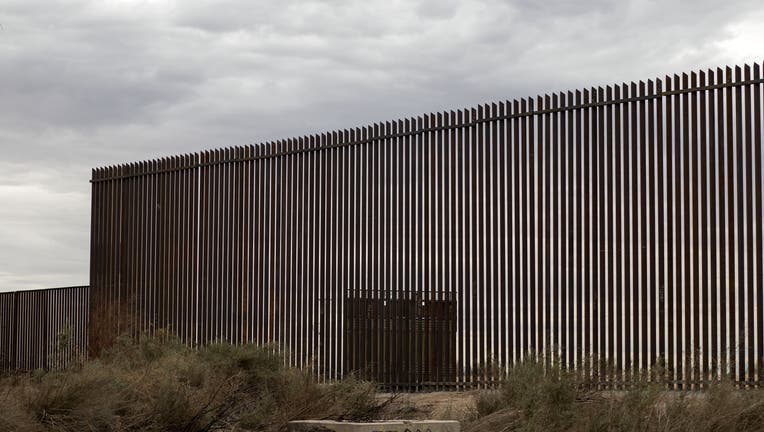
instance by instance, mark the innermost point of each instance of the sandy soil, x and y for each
(450, 405)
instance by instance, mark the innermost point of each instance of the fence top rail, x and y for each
(601, 96)
(45, 289)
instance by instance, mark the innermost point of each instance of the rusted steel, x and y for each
(43, 329)
(610, 228)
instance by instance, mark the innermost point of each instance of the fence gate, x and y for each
(401, 340)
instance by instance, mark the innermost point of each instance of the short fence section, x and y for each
(614, 229)
(43, 329)
(400, 339)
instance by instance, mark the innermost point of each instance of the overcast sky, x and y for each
(86, 84)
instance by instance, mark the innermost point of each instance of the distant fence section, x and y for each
(43, 329)
(616, 230)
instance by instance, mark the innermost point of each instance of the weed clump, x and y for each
(158, 384)
(536, 397)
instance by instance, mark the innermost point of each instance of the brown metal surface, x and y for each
(43, 329)
(607, 229)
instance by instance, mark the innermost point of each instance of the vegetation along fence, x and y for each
(43, 329)
(616, 230)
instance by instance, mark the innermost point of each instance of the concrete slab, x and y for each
(382, 426)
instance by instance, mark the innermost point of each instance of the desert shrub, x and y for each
(536, 397)
(158, 384)
(488, 402)
(544, 397)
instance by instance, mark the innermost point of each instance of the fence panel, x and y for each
(613, 230)
(43, 329)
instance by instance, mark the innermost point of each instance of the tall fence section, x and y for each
(43, 329)
(614, 229)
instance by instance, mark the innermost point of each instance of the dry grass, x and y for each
(157, 384)
(533, 399)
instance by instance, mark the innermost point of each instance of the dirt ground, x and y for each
(451, 405)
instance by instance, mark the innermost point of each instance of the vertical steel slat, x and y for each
(195, 228)
(626, 244)
(731, 339)
(372, 324)
(565, 274)
(675, 316)
(222, 249)
(401, 254)
(383, 259)
(204, 250)
(426, 287)
(159, 286)
(501, 264)
(748, 202)
(650, 235)
(758, 187)
(302, 250)
(390, 269)
(474, 285)
(363, 254)
(713, 347)
(739, 221)
(634, 297)
(202, 273)
(693, 225)
(329, 250)
(293, 204)
(556, 213)
(521, 233)
(356, 247)
(138, 256)
(535, 327)
(544, 231)
(178, 301)
(449, 237)
(313, 249)
(248, 221)
(438, 150)
(740, 281)
(458, 255)
(663, 235)
(169, 211)
(336, 253)
(598, 187)
(586, 220)
(234, 267)
(687, 286)
(340, 250)
(607, 224)
(642, 237)
(571, 245)
(256, 204)
(702, 271)
(661, 284)
(213, 222)
(188, 256)
(182, 198)
(232, 303)
(577, 170)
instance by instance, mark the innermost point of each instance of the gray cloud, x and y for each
(87, 84)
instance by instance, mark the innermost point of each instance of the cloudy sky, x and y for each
(86, 84)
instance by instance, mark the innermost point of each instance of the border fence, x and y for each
(43, 329)
(616, 230)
